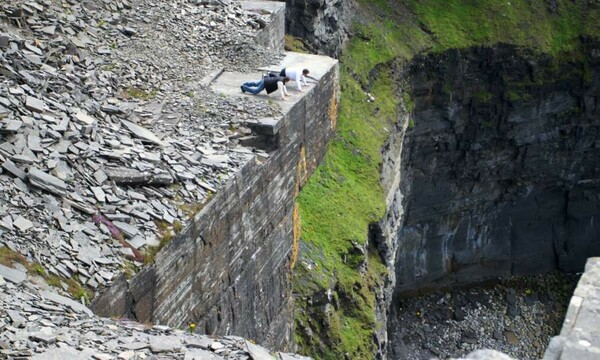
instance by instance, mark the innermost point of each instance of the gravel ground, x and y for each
(517, 316)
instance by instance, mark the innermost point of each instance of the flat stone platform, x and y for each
(228, 83)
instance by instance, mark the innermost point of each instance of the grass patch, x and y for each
(75, 289)
(137, 93)
(332, 225)
(294, 44)
(533, 24)
(165, 233)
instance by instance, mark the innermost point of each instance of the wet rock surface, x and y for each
(517, 317)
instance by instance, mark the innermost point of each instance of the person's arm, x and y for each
(285, 90)
(304, 80)
(298, 83)
(282, 89)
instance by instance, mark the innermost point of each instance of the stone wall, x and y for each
(228, 271)
(272, 34)
(579, 338)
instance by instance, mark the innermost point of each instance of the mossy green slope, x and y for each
(344, 195)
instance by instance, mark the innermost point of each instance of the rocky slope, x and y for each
(37, 323)
(109, 141)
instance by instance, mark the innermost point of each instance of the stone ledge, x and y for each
(580, 334)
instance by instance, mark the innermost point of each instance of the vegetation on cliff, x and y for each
(335, 281)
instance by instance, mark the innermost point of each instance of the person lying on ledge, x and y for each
(295, 74)
(270, 84)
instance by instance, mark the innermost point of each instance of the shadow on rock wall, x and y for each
(504, 166)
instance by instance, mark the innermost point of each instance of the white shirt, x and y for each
(296, 75)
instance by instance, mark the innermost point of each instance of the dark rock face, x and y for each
(321, 24)
(501, 172)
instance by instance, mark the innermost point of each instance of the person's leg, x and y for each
(254, 87)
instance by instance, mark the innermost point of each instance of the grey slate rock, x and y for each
(258, 352)
(13, 169)
(35, 104)
(13, 275)
(59, 299)
(47, 182)
(22, 224)
(141, 132)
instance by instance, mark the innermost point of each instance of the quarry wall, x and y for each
(228, 271)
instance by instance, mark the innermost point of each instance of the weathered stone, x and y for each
(160, 344)
(22, 224)
(12, 275)
(13, 169)
(258, 352)
(141, 132)
(35, 104)
(59, 299)
(47, 182)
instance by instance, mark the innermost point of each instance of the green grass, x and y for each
(336, 206)
(344, 194)
(459, 23)
(77, 291)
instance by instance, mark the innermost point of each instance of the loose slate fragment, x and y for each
(142, 133)
(35, 104)
(134, 177)
(99, 193)
(23, 224)
(12, 275)
(126, 229)
(47, 182)
(11, 125)
(59, 299)
(13, 169)
(84, 118)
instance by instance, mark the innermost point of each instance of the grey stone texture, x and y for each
(579, 337)
(272, 32)
(323, 25)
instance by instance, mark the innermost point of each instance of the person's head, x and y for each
(305, 72)
(286, 79)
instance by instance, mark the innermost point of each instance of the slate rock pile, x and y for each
(517, 317)
(37, 323)
(108, 135)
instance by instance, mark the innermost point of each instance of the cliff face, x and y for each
(500, 172)
(321, 24)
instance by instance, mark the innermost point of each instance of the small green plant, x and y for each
(177, 226)
(294, 44)
(136, 93)
(9, 257)
(411, 124)
(39, 269)
(192, 328)
(165, 234)
(129, 269)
